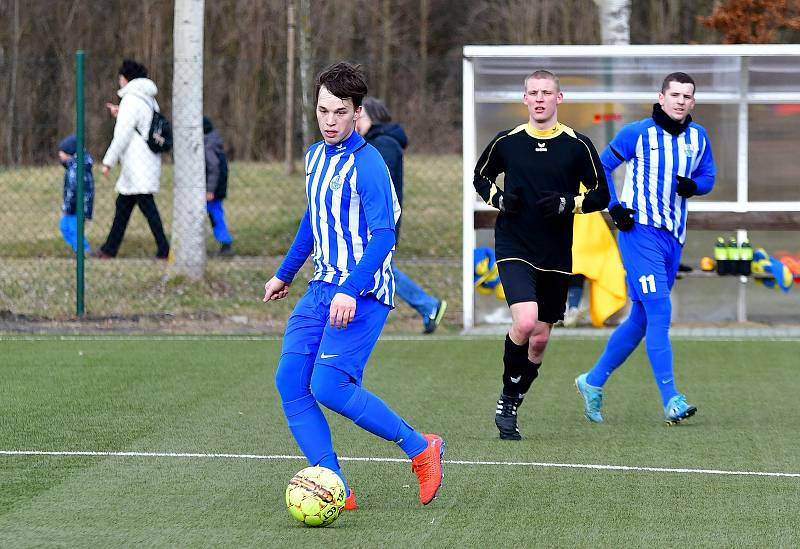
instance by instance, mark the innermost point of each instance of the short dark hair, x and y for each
(131, 70)
(376, 110)
(345, 81)
(541, 74)
(680, 78)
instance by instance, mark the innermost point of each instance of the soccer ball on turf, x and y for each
(315, 496)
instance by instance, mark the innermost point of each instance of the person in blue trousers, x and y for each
(216, 185)
(69, 219)
(376, 125)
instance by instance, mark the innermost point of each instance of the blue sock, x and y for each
(659, 348)
(304, 416)
(337, 391)
(620, 345)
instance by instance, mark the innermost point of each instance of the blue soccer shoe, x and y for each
(677, 409)
(592, 399)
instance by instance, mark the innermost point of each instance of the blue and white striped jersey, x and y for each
(350, 195)
(654, 157)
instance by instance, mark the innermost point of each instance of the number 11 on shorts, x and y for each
(648, 283)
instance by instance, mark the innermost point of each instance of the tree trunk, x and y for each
(423, 53)
(386, 50)
(12, 90)
(289, 136)
(615, 16)
(305, 71)
(615, 29)
(189, 209)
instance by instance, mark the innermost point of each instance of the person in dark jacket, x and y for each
(376, 125)
(69, 220)
(216, 185)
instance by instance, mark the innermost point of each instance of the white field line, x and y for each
(583, 336)
(591, 466)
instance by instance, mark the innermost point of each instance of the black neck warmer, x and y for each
(672, 126)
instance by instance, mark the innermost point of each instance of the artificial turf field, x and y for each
(161, 408)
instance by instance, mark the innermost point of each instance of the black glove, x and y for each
(686, 187)
(505, 202)
(553, 204)
(622, 216)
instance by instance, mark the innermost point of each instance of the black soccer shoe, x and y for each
(506, 417)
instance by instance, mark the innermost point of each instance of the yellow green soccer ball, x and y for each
(315, 496)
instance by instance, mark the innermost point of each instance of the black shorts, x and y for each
(524, 282)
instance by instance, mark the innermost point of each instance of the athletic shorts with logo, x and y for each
(309, 331)
(651, 257)
(523, 282)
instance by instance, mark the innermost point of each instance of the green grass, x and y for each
(37, 269)
(263, 209)
(217, 396)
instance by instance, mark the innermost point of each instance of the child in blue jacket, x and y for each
(69, 220)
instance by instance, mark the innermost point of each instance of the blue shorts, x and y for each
(651, 257)
(309, 331)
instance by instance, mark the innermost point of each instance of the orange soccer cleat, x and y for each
(428, 468)
(350, 502)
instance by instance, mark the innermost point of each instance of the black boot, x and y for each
(506, 417)
(226, 250)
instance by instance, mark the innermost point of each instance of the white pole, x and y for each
(469, 159)
(189, 208)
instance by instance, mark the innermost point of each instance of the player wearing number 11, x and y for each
(668, 158)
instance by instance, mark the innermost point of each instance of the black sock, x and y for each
(530, 373)
(516, 369)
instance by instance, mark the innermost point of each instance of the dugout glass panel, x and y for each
(773, 148)
(774, 74)
(604, 74)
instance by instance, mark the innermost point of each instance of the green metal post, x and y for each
(81, 153)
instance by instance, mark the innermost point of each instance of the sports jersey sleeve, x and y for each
(489, 166)
(378, 200)
(705, 173)
(375, 252)
(594, 179)
(298, 252)
(621, 149)
(375, 191)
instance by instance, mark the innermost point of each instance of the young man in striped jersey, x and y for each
(669, 160)
(349, 226)
(544, 163)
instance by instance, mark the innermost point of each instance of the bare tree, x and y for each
(525, 22)
(13, 155)
(305, 70)
(290, 41)
(385, 63)
(189, 211)
(410, 49)
(424, 12)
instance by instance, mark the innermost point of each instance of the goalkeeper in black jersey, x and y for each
(544, 163)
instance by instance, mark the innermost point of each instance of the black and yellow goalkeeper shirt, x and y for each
(536, 161)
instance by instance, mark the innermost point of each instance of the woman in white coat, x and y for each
(140, 177)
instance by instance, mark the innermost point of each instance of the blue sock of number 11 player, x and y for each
(650, 320)
(659, 348)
